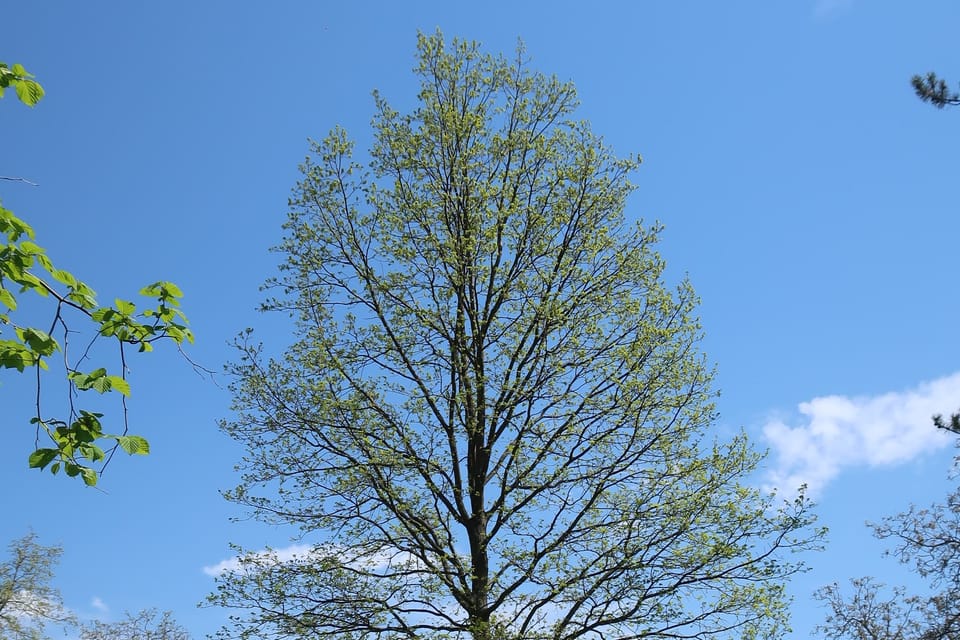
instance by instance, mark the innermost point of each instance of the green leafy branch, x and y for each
(76, 441)
(28, 90)
(25, 268)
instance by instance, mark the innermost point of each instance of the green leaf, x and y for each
(82, 299)
(163, 290)
(90, 423)
(89, 476)
(45, 262)
(98, 380)
(14, 355)
(64, 277)
(28, 281)
(42, 457)
(125, 307)
(91, 452)
(134, 445)
(103, 314)
(13, 226)
(39, 341)
(29, 92)
(119, 384)
(151, 290)
(7, 298)
(31, 248)
(172, 290)
(81, 289)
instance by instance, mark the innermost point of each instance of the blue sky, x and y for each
(805, 191)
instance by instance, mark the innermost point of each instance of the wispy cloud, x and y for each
(30, 608)
(837, 432)
(99, 605)
(279, 556)
(304, 552)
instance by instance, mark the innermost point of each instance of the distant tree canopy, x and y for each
(28, 601)
(932, 89)
(29, 604)
(951, 424)
(927, 539)
(149, 624)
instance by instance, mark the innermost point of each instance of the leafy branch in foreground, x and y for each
(28, 90)
(76, 441)
(25, 268)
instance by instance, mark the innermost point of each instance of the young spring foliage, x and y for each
(29, 91)
(494, 420)
(75, 441)
(148, 624)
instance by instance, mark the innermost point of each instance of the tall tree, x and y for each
(75, 441)
(28, 602)
(932, 89)
(495, 419)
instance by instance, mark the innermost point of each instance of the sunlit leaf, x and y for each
(134, 445)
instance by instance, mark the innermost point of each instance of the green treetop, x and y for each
(494, 420)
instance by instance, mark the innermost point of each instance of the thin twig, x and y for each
(198, 368)
(19, 179)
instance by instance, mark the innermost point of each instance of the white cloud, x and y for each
(303, 552)
(27, 607)
(287, 554)
(836, 432)
(99, 605)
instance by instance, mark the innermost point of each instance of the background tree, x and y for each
(148, 624)
(953, 424)
(929, 540)
(495, 419)
(27, 600)
(932, 89)
(25, 268)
